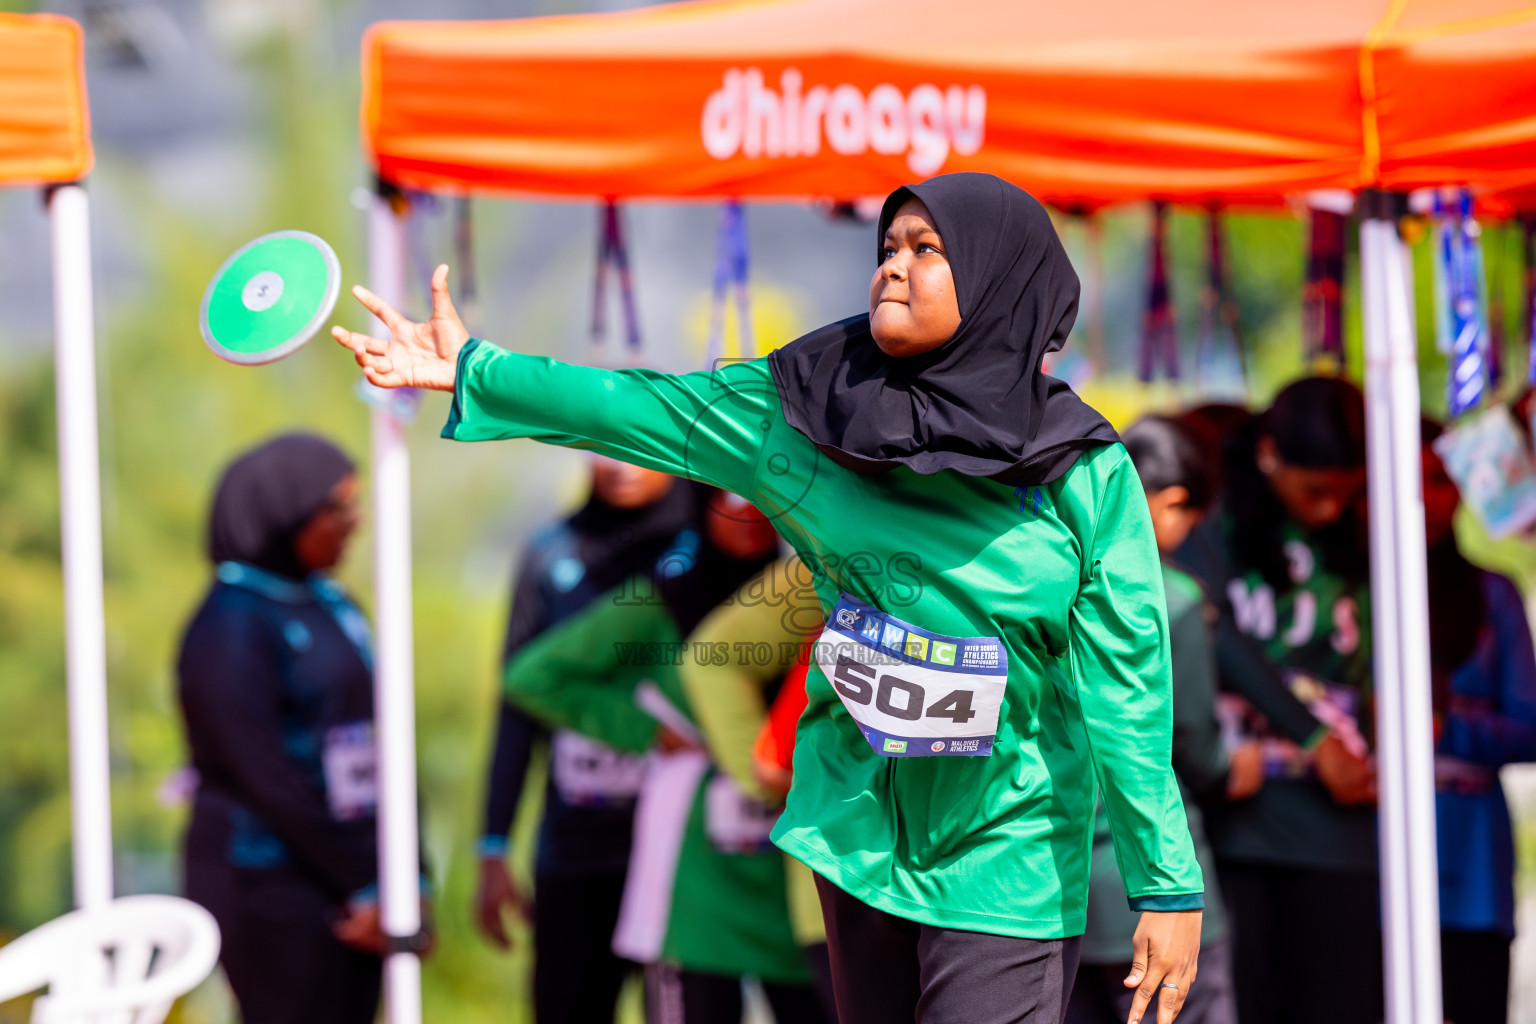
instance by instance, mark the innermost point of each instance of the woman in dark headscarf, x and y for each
(996, 631)
(276, 690)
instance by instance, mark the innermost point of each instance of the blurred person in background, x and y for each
(705, 904)
(1484, 669)
(1212, 426)
(276, 689)
(629, 519)
(747, 707)
(1285, 566)
(1179, 483)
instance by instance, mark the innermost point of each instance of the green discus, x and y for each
(270, 297)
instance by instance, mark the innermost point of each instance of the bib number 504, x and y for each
(862, 684)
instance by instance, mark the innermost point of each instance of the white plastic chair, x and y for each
(124, 963)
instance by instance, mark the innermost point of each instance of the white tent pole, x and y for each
(394, 665)
(1384, 622)
(1400, 621)
(90, 771)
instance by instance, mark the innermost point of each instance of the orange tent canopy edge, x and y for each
(44, 119)
(1087, 103)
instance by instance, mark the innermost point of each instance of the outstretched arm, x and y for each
(706, 426)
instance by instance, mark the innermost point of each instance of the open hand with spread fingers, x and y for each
(415, 355)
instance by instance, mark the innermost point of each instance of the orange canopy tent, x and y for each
(44, 123)
(1087, 102)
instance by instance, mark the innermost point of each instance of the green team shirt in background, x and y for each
(1315, 629)
(1066, 575)
(729, 911)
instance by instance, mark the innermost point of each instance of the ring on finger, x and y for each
(1169, 984)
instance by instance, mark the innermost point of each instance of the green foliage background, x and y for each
(172, 415)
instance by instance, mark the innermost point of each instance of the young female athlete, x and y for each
(996, 629)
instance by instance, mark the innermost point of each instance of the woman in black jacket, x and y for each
(275, 684)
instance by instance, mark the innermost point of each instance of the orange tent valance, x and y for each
(1090, 101)
(44, 121)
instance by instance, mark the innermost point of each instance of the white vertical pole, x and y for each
(1400, 619)
(394, 665)
(90, 771)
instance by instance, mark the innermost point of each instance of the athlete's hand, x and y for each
(1245, 774)
(773, 779)
(1350, 779)
(1166, 952)
(670, 742)
(361, 928)
(497, 895)
(415, 355)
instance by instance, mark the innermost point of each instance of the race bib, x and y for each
(913, 693)
(590, 774)
(735, 822)
(351, 762)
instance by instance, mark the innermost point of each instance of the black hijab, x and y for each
(267, 495)
(978, 404)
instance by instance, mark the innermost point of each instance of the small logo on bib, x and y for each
(938, 747)
(895, 746)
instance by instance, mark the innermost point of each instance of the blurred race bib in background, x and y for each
(734, 821)
(1486, 457)
(351, 764)
(591, 774)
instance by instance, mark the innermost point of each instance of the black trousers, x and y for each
(887, 970)
(1306, 946)
(675, 996)
(820, 961)
(282, 961)
(1100, 997)
(576, 976)
(1475, 976)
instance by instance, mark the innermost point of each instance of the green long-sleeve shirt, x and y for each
(1067, 575)
(1201, 762)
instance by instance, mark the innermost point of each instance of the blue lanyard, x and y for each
(613, 254)
(730, 269)
(1461, 260)
(1323, 312)
(1218, 319)
(318, 587)
(1159, 334)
